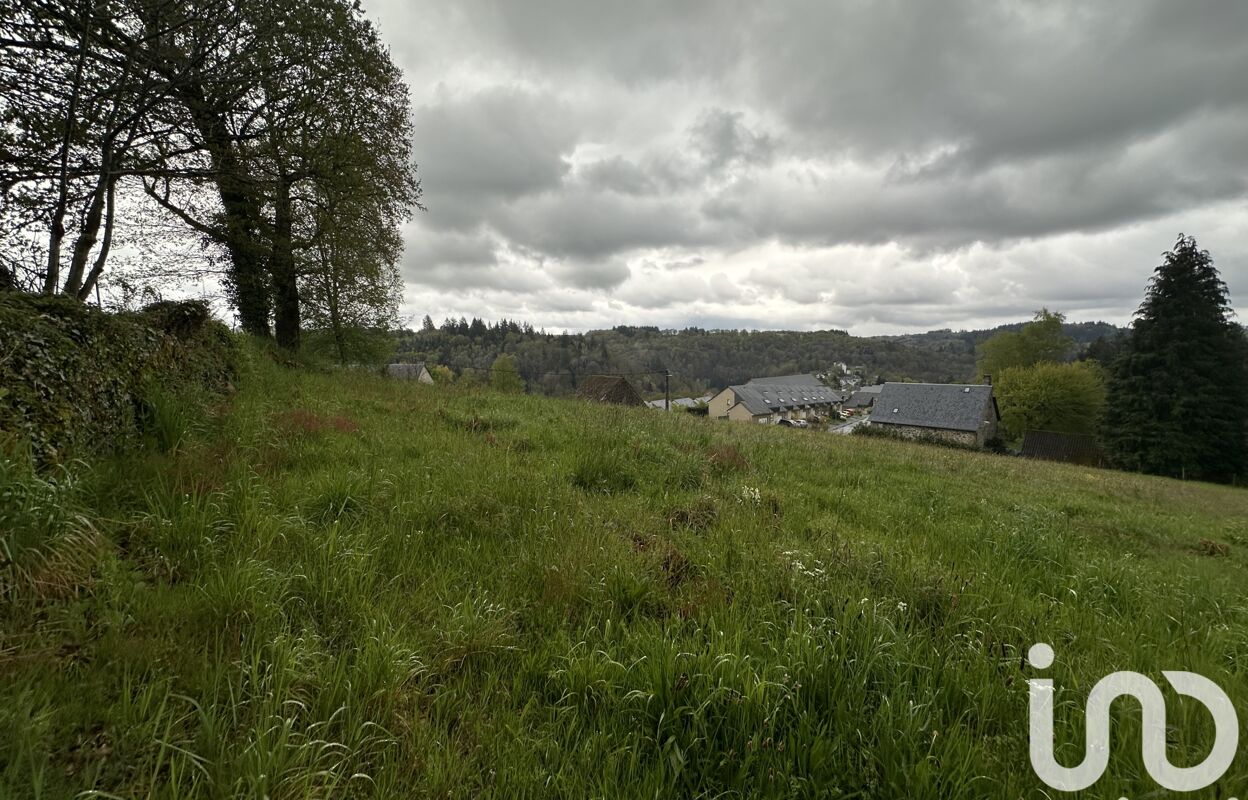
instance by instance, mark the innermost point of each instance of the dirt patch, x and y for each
(1208, 547)
(301, 420)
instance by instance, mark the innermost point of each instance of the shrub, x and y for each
(78, 381)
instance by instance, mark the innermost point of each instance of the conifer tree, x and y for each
(1178, 394)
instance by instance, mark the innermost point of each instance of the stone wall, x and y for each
(916, 432)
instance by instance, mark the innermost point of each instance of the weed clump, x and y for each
(476, 422)
(696, 516)
(48, 549)
(725, 458)
(602, 472)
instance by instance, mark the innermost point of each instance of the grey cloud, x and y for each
(489, 147)
(1008, 138)
(428, 247)
(722, 139)
(461, 278)
(617, 174)
(585, 225)
(598, 274)
(633, 43)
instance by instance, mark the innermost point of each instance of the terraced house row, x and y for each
(770, 400)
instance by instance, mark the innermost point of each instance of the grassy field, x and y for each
(338, 586)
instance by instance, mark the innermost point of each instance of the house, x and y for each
(769, 400)
(609, 389)
(410, 372)
(1071, 448)
(964, 414)
(864, 398)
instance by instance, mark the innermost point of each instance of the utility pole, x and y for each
(667, 390)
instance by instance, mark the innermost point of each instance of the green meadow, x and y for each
(331, 585)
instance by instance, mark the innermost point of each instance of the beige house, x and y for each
(953, 412)
(769, 400)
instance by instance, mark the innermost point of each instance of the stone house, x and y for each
(613, 389)
(410, 372)
(963, 414)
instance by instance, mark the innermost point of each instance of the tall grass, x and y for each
(347, 587)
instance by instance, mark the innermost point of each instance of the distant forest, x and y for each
(699, 360)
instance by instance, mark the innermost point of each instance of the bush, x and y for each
(75, 381)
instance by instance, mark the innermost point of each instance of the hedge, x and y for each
(76, 381)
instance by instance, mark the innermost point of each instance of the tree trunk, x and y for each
(246, 277)
(110, 214)
(56, 234)
(282, 267)
(331, 304)
(89, 234)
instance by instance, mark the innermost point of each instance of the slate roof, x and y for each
(948, 406)
(609, 389)
(863, 397)
(761, 397)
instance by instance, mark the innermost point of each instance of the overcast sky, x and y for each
(880, 167)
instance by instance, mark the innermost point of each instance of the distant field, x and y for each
(339, 586)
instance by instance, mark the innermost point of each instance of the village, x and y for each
(964, 415)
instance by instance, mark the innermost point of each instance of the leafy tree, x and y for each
(1178, 396)
(441, 374)
(354, 345)
(1040, 340)
(1066, 398)
(267, 128)
(1104, 349)
(504, 376)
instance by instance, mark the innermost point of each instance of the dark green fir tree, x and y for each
(1178, 392)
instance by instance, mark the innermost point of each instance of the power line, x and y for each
(568, 372)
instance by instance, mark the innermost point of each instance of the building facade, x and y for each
(769, 400)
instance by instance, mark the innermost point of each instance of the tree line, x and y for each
(276, 134)
(1170, 397)
(699, 359)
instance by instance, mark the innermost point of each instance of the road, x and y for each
(848, 427)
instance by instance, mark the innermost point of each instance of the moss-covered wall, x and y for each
(75, 381)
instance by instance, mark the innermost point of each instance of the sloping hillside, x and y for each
(347, 587)
(700, 359)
